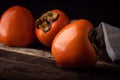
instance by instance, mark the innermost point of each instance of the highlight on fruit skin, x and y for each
(71, 48)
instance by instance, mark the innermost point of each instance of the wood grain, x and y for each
(37, 64)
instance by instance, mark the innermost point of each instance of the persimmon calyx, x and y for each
(96, 38)
(46, 20)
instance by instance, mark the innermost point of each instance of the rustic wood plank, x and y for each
(37, 64)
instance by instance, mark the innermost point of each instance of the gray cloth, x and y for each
(112, 40)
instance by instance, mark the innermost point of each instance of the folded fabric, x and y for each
(112, 41)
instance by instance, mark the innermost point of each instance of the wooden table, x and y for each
(36, 63)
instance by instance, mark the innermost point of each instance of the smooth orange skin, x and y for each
(47, 38)
(17, 27)
(71, 47)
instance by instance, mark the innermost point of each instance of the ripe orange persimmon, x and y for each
(49, 24)
(71, 48)
(17, 27)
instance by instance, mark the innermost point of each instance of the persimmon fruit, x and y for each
(49, 24)
(71, 48)
(17, 27)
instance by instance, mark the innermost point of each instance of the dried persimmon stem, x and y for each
(96, 38)
(45, 21)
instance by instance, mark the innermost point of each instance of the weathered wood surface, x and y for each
(38, 64)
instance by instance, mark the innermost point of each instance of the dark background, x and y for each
(93, 10)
